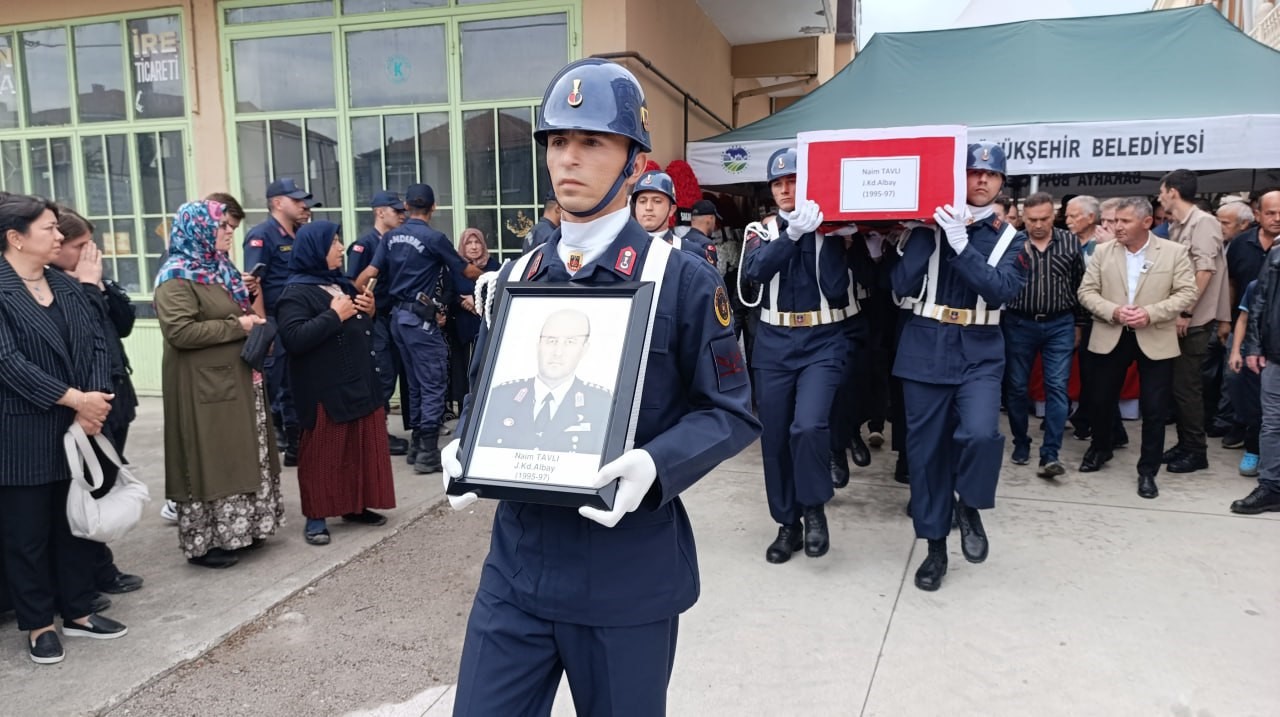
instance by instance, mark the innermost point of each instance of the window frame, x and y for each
(75, 131)
(338, 25)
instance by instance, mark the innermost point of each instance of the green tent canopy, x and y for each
(1142, 92)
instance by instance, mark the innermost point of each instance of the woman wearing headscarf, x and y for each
(344, 463)
(220, 457)
(465, 322)
(54, 372)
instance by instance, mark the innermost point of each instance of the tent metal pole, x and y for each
(1035, 183)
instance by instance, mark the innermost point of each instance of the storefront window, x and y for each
(305, 150)
(117, 152)
(491, 48)
(100, 87)
(156, 49)
(394, 151)
(352, 7)
(270, 13)
(284, 73)
(45, 77)
(398, 66)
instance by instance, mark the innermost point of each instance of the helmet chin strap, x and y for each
(613, 191)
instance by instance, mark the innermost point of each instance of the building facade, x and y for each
(125, 109)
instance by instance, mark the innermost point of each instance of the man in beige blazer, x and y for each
(1135, 288)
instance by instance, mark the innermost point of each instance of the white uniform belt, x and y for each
(797, 319)
(962, 317)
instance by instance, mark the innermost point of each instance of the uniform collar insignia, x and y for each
(626, 263)
(533, 265)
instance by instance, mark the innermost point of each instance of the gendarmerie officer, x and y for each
(653, 204)
(951, 361)
(702, 221)
(848, 411)
(411, 259)
(546, 226)
(563, 590)
(270, 244)
(798, 361)
(388, 213)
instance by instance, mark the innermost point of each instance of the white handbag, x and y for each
(111, 516)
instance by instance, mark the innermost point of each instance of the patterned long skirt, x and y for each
(236, 521)
(345, 467)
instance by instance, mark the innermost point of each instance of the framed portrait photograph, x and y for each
(558, 393)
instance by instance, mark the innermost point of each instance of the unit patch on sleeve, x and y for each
(723, 311)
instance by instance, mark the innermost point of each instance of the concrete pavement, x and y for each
(1093, 602)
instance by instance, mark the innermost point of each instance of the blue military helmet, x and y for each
(781, 164)
(656, 181)
(595, 95)
(989, 156)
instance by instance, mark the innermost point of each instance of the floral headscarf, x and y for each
(193, 252)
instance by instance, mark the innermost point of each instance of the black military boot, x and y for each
(428, 458)
(900, 472)
(929, 575)
(790, 539)
(861, 454)
(291, 437)
(839, 469)
(973, 538)
(415, 440)
(398, 445)
(816, 538)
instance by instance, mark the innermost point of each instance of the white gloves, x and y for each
(635, 468)
(453, 469)
(637, 473)
(953, 222)
(806, 218)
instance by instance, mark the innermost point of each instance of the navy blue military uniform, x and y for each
(705, 246)
(951, 373)
(387, 358)
(409, 261)
(559, 591)
(271, 244)
(848, 411)
(798, 366)
(514, 418)
(538, 235)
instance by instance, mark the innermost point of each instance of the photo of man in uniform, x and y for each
(554, 410)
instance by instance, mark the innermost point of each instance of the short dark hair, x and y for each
(18, 211)
(1037, 200)
(71, 224)
(1005, 201)
(547, 205)
(1183, 181)
(231, 206)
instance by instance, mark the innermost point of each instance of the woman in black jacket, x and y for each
(81, 259)
(344, 463)
(53, 371)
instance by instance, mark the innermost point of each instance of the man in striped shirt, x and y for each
(1045, 318)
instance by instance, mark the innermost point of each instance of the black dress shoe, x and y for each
(790, 539)
(839, 471)
(1189, 463)
(398, 445)
(366, 517)
(123, 583)
(1147, 487)
(861, 454)
(929, 575)
(973, 537)
(816, 538)
(1094, 460)
(900, 472)
(100, 603)
(216, 558)
(1172, 454)
(1261, 500)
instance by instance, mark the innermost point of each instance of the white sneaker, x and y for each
(169, 511)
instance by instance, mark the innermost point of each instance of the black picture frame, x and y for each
(503, 411)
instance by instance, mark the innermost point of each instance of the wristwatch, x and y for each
(1186, 314)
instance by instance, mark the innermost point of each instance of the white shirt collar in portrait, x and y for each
(540, 390)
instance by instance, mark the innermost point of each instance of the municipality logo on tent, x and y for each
(735, 159)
